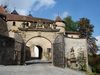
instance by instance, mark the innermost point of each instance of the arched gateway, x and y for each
(42, 39)
(40, 48)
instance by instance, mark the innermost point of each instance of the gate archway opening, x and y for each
(38, 52)
(40, 49)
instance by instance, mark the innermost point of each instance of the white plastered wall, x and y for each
(77, 44)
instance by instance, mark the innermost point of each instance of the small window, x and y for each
(54, 26)
(23, 24)
(44, 23)
(14, 23)
(27, 24)
(49, 50)
(35, 22)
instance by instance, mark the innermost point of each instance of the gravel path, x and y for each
(37, 69)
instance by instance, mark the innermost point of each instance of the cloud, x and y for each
(43, 3)
(22, 11)
(98, 40)
(64, 14)
(24, 6)
(98, 43)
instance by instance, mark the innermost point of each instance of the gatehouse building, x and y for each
(44, 39)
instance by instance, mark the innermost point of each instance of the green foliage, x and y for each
(93, 74)
(70, 24)
(94, 62)
(83, 26)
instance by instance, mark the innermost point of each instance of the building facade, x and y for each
(46, 40)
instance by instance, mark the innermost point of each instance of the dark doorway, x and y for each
(37, 55)
(38, 52)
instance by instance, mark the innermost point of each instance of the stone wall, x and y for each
(33, 38)
(73, 49)
(42, 39)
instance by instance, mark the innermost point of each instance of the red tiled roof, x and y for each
(14, 17)
(2, 10)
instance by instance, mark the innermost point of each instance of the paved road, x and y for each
(37, 69)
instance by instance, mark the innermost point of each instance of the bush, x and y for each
(97, 68)
(94, 62)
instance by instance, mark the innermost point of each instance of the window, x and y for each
(48, 50)
(27, 24)
(54, 26)
(34, 24)
(23, 24)
(14, 23)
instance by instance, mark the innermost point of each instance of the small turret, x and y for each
(30, 15)
(58, 19)
(14, 12)
(60, 24)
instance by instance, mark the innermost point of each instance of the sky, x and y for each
(52, 8)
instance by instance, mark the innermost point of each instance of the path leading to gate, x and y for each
(37, 69)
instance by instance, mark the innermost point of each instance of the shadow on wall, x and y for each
(3, 25)
(6, 50)
(28, 54)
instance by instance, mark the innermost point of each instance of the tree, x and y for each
(70, 24)
(85, 28)
(92, 47)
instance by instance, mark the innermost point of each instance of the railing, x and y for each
(39, 29)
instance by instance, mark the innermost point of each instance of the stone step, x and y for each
(37, 62)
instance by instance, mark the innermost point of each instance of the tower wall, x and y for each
(61, 26)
